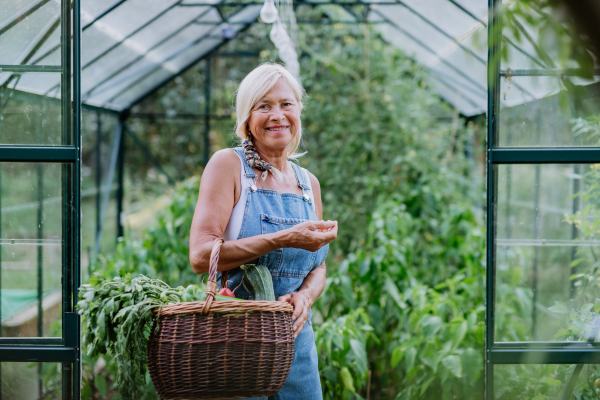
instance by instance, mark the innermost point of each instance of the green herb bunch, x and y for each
(118, 317)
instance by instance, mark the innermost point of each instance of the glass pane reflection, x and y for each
(32, 118)
(541, 382)
(547, 246)
(31, 249)
(538, 111)
(30, 381)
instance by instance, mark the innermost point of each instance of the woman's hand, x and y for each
(310, 235)
(302, 303)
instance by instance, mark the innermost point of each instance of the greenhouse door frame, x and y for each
(576, 353)
(65, 350)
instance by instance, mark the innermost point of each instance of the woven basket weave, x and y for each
(221, 350)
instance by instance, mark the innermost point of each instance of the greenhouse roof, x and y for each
(131, 47)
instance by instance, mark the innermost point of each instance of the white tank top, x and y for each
(232, 232)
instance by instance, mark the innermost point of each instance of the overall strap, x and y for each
(248, 171)
(300, 177)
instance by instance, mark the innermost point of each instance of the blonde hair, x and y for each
(254, 87)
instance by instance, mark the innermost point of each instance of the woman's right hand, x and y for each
(310, 235)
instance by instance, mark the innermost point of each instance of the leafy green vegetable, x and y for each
(118, 317)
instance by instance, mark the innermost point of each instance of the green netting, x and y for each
(16, 300)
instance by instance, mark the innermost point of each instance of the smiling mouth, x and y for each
(277, 129)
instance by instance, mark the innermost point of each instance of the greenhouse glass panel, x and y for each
(31, 246)
(130, 15)
(540, 111)
(31, 381)
(92, 9)
(30, 119)
(49, 51)
(101, 131)
(122, 96)
(545, 252)
(455, 53)
(185, 38)
(96, 43)
(464, 100)
(44, 84)
(550, 381)
(168, 23)
(24, 37)
(542, 291)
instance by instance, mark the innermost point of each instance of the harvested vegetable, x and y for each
(117, 318)
(258, 282)
(226, 292)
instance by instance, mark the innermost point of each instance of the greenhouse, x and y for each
(455, 143)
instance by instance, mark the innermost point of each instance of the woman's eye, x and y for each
(263, 107)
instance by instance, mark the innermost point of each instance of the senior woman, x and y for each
(268, 210)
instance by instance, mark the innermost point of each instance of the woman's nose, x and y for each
(277, 113)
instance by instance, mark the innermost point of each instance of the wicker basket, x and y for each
(221, 350)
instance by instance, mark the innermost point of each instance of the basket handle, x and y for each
(211, 286)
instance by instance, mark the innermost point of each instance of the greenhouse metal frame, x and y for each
(65, 349)
(533, 352)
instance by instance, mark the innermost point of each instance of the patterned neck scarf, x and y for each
(254, 161)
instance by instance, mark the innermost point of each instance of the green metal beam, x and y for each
(580, 155)
(178, 116)
(31, 341)
(493, 109)
(545, 72)
(107, 11)
(30, 68)
(38, 354)
(545, 356)
(303, 22)
(60, 154)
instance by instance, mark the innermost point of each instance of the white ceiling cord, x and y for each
(284, 21)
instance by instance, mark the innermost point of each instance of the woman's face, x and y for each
(275, 118)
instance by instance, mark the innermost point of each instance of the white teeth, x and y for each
(276, 129)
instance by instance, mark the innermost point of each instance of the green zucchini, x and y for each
(258, 282)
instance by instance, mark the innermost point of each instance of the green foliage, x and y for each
(408, 284)
(163, 250)
(117, 317)
(427, 337)
(343, 360)
(550, 31)
(370, 123)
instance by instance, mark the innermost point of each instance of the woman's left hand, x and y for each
(302, 303)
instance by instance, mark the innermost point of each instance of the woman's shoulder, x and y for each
(314, 182)
(224, 158)
(224, 162)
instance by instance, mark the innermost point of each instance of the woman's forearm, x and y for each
(314, 283)
(310, 235)
(236, 252)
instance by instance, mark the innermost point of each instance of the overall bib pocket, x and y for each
(298, 262)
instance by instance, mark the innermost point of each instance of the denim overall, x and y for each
(268, 211)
